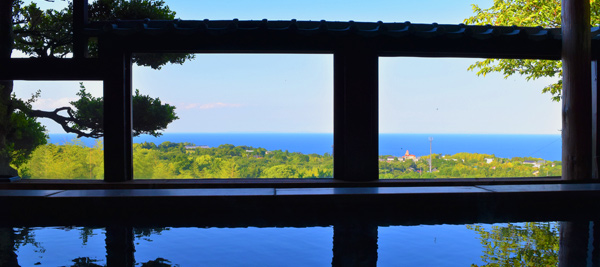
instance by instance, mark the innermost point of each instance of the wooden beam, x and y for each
(50, 69)
(356, 133)
(577, 93)
(385, 45)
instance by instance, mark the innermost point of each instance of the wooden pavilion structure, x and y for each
(356, 47)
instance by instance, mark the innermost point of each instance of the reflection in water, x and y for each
(523, 244)
(348, 243)
(354, 244)
(85, 261)
(8, 244)
(250, 246)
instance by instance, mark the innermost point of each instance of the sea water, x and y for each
(548, 147)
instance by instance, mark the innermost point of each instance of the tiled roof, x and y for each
(324, 35)
(364, 29)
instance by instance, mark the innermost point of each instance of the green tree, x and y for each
(48, 33)
(527, 244)
(280, 171)
(526, 13)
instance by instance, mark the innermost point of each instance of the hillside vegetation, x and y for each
(184, 161)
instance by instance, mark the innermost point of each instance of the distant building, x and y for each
(536, 164)
(539, 163)
(391, 158)
(408, 156)
(489, 160)
(194, 147)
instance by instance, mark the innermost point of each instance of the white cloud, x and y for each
(51, 103)
(208, 106)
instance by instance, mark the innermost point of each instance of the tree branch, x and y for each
(63, 121)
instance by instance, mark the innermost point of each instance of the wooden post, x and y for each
(577, 93)
(80, 19)
(355, 137)
(118, 139)
(6, 32)
(595, 132)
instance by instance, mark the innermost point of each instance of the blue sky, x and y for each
(294, 93)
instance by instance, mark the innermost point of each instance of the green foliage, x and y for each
(49, 33)
(109, 10)
(157, 60)
(174, 161)
(527, 244)
(41, 33)
(70, 161)
(171, 160)
(89, 111)
(466, 165)
(150, 115)
(25, 134)
(544, 13)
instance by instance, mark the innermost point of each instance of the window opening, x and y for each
(472, 126)
(240, 116)
(50, 152)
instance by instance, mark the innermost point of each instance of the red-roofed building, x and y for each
(407, 155)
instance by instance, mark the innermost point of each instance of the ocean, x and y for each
(547, 147)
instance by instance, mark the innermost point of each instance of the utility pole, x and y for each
(430, 154)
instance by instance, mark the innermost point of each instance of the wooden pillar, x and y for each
(356, 130)
(80, 19)
(577, 93)
(595, 129)
(118, 139)
(7, 173)
(6, 33)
